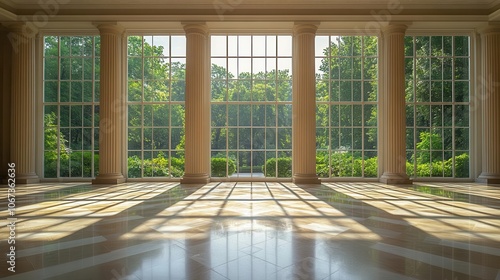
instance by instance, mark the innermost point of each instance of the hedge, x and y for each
(156, 167)
(218, 166)
(284, 167)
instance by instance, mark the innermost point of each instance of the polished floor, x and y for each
(255, 231)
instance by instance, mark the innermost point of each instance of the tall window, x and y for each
(71, 106)
(346, 106)
(251, 106)
(156, 87)
(437, 106)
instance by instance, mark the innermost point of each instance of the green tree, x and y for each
(71, 71)
(347, 78)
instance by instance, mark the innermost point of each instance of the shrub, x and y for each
(342, 164)
(409, 169)
(156, 167)
(219, 167)
(462, 166)
(371, 167)
(442, 169)
(134, 167)
(322, 170)
(72, 160)
(284, 167)
(346, 165)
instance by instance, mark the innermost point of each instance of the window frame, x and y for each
(125, 80)
(342, 33)
(40, 102)
(475, 136)
(250, 103)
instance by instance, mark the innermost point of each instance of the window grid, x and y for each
(71, 106)
(352, 61)
(437, 104)
(265, 63)
(156, 106)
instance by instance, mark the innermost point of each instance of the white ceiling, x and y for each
(259, 2)
(351, 4)
(271, 10)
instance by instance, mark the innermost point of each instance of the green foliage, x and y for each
(77, 164)
(441, 168)
(428, 141)
(462, 166)
(342, 164)
(218, 167)
(371, 167)
(155, 167)
(429, 160)
(322, 165)
(346, 165)
(71, 163)
(284, 167)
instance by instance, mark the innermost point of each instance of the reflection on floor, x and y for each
(255, 231)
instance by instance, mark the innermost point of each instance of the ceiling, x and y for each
(213, 10)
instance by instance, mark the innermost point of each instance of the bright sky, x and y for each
(178, 44)
(268, 52)
(244, 53)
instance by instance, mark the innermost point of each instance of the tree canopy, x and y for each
(251, 113)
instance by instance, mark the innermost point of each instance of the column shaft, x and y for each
(304, 105)
(22, 131)
(111, 106)
(5, 90)
(490, 41)
(393, 104)
(197, 121)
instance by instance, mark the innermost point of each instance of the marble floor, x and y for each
(254, 231)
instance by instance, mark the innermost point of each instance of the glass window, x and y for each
(71, 106)
(346, 106)
(437, 106)
(156, 88)
(251, 108)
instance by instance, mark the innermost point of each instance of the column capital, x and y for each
(109, 28)
(200, 28)
(22, 28)
(394, 28)
(305, 27)
(3, 27)
(492, 28)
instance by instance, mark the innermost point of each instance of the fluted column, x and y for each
(5, 118)
(490, 41)
(111, 104)
(393, 104)
(197, 164)
(22, 130)
(304, 105)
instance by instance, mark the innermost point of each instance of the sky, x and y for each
(238, 54)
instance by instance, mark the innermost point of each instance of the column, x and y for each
(392, 100)
(22, 130)
(111, 106)
(304, 105)
(197, 121)
(490, 42)
(5, 119)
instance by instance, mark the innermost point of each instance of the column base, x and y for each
(488, 178)
(395, 178)
(306, 179)
(199, 178)
(108, 179)
(24, 179)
